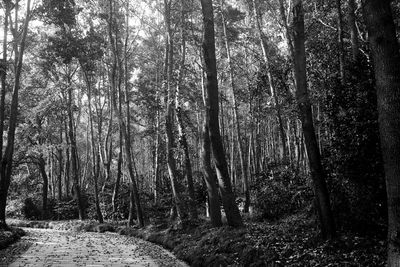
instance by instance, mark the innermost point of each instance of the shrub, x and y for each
(279, 193)
(31, 210)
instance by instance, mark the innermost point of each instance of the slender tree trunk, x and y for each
(60, 165)
(178, 112)
(228, 198)
(74, 154)
(235, 116)
(340, 41)
(117, 71)
(6, 159)
(169, 115)
(95, 154)
(42, 169)
(271, 82)
(317, 172)
(157, 158)
(385, 51)
(353, 30)
(119, 174)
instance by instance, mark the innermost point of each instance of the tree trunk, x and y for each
(271, 82)
(6, 159)
(95, 153)
(74, 154)
(210, 176)
(116, 78)
(181, 128)
(119, 174)
(340, 41)
(42, 169)
(169, 114)
(353, 30)
(242, 159)
(317, 172)
(385, 51)
(228, 198)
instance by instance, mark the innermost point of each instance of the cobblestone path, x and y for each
(63, 248)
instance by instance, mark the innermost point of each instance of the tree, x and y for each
(386, 55)
(317, 173)
(6, 159)
(228, 198)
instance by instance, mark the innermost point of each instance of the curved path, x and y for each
(64, 248)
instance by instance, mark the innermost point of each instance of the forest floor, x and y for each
(292, 241)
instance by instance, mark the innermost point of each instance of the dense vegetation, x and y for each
(191, 115)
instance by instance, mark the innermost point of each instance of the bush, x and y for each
(31, 210)
(279, 193)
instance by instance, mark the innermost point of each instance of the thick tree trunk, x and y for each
(317, 172)
(210, 176)
(385, 50)
(228, 198)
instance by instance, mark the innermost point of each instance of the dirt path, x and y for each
(63, 248)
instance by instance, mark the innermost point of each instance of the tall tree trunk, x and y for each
(95, 152)
(243, 165)
(117, 72)
(42, 168)
(178, 112)
(6, 159)
(60, 165)
(271, 82)
(210, 176)
(385, 51)
(74, 154)
(353, 30)
(228, 198)
(317, 172)
(169, 114)
(157, 158)
(118, 179)
(340, 41)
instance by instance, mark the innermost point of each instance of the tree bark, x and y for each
(210, 176)
(228, 198)
(385, 51)
(303, 101)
